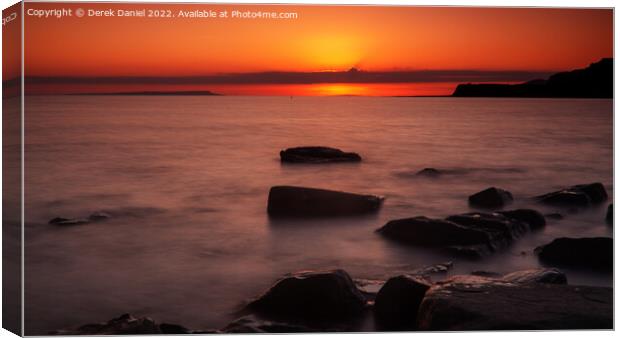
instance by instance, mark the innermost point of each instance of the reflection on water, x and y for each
(187, 178)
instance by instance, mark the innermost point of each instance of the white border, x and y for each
(489, 3)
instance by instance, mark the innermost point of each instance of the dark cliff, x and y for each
(595, 81)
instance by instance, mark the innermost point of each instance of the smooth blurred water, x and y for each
(187, 178)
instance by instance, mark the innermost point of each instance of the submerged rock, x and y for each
(310, 202)
(125, 324)
(397, 302)
(582, 195)
(317, 155)
(68, 221)
(554, 215)
(429, 172)
(533, 218)
(491, 198)
(311, 295)
(252, 324)
(477, 303)
(609, 217)
(589, 253)
(546, 276)
(94, 217)
(473, 234)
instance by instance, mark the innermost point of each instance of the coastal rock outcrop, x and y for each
(582, 195)
(311, 295)
(397, 302)
(591, 253)
(477, 303)
(317, 155)
(311, 202)
(532, 217)
(491, 198)
(472, 234)
(609, 217)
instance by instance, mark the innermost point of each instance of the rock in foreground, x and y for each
(583, 195)
(477, 303)
(491, 198)
(125, 324)
(545, 276)
(474, 234)
(397, 302)
(310, 202)
(317, 155)
(315, 295)
(588, 253)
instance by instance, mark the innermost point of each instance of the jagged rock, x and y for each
(310, 202)
(397, 302)
(473, 234)
(125, 324)
(491, 198)
(317, 155)
(549, 276)
(465, 303)
(311, 295)
(589, 253)
(582, 195)
(532, 217)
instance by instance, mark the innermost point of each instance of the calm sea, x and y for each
(186, 179)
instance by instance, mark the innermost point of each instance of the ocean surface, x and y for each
(186, 180)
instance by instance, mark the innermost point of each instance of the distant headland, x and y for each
(595, 81)
(157, 93)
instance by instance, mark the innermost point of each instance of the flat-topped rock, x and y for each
(317, 155)
(582, 195)
(491, 198)
(124, 324)
(588, 253)
(311, 295)
(292, 201)
(465, 303)
(429, 172)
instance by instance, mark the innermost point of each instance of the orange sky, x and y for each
(327, 38)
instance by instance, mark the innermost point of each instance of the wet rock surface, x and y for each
(578, 196)
(329, 295)
(587, 253)
(289, 201)
(317, 155)
(473, 234)
(547, 276)
(478, 303)
(397, 303)
(123, 325)
(491, 198)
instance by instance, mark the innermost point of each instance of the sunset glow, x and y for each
(320, 39)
